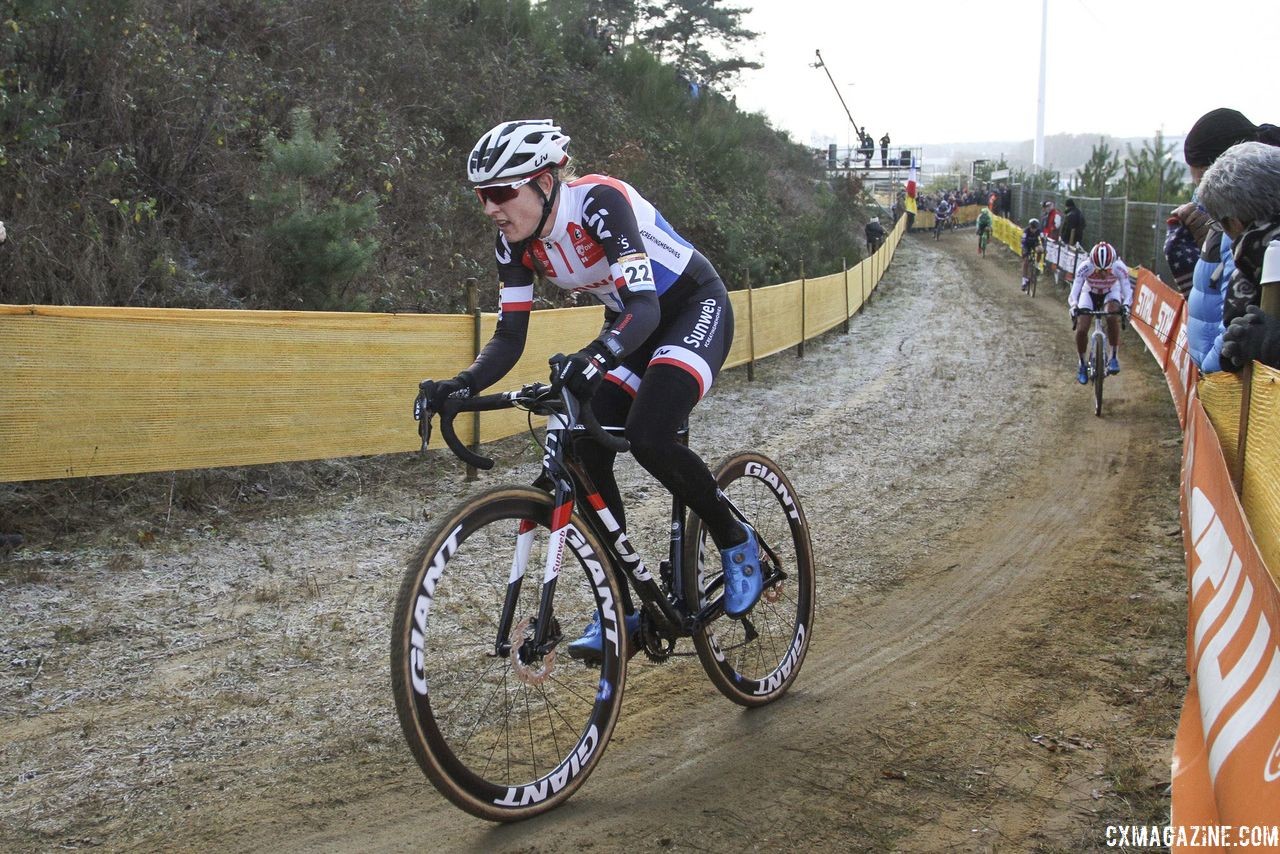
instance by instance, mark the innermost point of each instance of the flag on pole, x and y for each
(911, 189)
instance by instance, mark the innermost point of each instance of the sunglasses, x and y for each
(500, 194)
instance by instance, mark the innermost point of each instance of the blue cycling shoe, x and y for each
(1082, 375)
(590, 647)
(1113, 367)
(743, 578)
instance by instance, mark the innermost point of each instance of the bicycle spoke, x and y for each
(482, 725)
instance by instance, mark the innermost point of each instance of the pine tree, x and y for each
(1152, 174)
(687, 33)
(1098, 172)
(317, 245)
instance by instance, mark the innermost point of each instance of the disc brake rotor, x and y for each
(527, 673)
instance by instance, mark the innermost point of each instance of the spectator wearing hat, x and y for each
(1199, 253)
(1072, 224)
(1241, 191)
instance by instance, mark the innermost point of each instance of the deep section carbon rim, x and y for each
(504, 737)
(754, 659)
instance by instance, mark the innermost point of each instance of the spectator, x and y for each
(884, 149)
(875, 234)
(1072, 225)
(1051, 221)
(1006, 201)
(868, 147)
(1198, 252)
(1241, 190)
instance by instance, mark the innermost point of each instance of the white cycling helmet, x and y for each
(1033, 223)
(1103, 255)
(515, 150)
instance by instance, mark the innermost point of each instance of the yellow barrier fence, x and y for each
(100, 391)
(963, 215)
(1259, 476)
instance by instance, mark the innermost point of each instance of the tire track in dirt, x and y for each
(965, 506)
(691, 772)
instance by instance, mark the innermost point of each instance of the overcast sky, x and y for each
(967, 70)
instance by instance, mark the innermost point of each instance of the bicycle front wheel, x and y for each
(1099, 373)
(505, 736)
(754, 659)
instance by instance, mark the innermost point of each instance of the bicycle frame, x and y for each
(571, 486)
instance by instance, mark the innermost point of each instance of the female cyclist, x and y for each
(667, 328)
(1101, 283)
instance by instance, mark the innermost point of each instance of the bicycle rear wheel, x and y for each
(754, 659)
(1032, 276)
(504, 738)
(1099, 372)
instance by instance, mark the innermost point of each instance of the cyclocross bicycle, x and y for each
(939, 223)
(1033, 271)
(1096, 360)
(503, 723)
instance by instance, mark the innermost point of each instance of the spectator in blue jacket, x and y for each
(1198, 251)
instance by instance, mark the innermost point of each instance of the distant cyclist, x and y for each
(668, 325)
(1102, 280)
(941, 214)
(985, 221)
(1032, 240)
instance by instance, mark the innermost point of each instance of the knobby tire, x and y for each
(1099, 373)
(753, 671)
(497, 745)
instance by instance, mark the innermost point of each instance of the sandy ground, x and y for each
(996, 661)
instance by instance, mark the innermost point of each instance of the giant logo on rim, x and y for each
(764, 473)
(422, 609)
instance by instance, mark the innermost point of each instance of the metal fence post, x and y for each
(1124, 230)
(473, 308)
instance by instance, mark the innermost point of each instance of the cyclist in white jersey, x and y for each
(667, 328)
(1102, 280)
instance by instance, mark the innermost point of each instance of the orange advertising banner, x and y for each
(1226, 762)
(1159, 317)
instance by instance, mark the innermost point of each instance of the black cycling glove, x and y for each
(434, 392)
(582, 372)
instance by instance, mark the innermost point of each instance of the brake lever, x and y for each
(422, 413)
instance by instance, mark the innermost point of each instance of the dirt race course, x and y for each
(996, 662)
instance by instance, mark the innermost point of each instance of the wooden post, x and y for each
(844, 266)
(1237, 473)
(751, 332)
(803, 290)
(473, 308)
(862, 278)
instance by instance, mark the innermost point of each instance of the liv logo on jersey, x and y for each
(687, 360)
